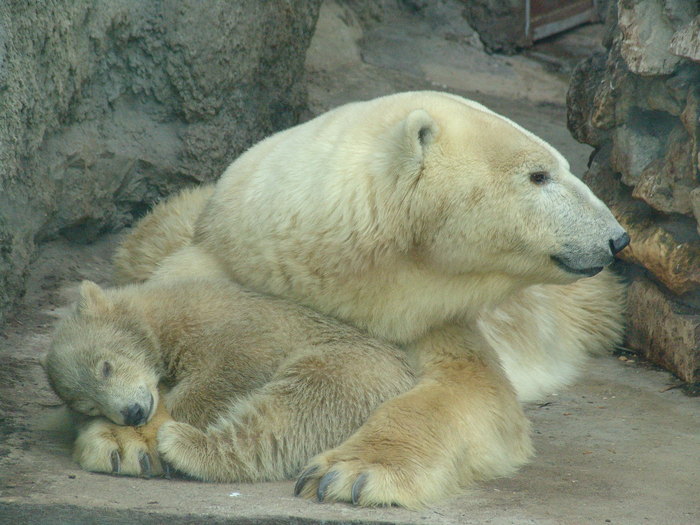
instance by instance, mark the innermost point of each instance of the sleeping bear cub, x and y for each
(256, 385)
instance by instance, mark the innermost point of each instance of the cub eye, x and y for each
(106, 369)
(539, 177)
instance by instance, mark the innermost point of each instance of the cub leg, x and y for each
(202, 398)
(103, 446)
(461, 422)
(315, 401)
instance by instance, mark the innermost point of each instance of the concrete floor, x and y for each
(618, 447)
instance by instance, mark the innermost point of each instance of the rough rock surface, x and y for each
(647, 28)
(107, 105)
(685, 43)
(499, 23)
(674, 337)
(639, 106)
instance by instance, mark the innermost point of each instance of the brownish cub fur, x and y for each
(257, 386)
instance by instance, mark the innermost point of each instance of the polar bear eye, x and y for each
(539, 177)
(106, 369)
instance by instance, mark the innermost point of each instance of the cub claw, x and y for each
(303, 479)
(323, 485)
(357, 488)
(116, 461)
(145, 464)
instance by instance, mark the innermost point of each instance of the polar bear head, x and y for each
(101, 361)
(488, 196)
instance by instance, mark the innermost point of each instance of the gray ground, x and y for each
(618, 447)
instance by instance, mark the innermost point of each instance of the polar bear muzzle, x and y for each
(572, 261)
(137, 414)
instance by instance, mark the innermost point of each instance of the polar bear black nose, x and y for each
(134, 415)
(616, 245)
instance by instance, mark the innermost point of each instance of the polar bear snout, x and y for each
(619, 244)
(134, 415)
(589, 236)
(578, 267)
(575, 261)
(137, 414)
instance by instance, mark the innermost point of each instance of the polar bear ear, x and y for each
(93, 299)
(419, 131)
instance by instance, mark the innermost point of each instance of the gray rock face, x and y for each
(647, 27)
(107, 105)
(497, 21)
(640, 107)
(667, 333)
(686, 42)
(589, 77)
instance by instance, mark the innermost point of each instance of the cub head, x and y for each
(487, 196)
(103, 360)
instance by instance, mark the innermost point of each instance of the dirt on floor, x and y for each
(620, 446)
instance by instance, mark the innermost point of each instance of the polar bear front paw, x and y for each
(102, 446)
(345, 475)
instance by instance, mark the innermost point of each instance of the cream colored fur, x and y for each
(256, 385)
(160, 233)
(542, 335)
(415, 217)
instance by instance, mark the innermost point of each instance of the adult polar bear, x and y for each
(433, 223)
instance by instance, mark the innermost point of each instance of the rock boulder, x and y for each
(108, 105)
(639, 106)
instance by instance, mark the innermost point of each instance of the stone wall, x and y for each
(107, 105)
(639, 106)
(500, 23)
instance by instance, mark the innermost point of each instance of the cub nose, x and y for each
(134, 415)
(616, 245)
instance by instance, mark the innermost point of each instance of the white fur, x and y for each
(416, 217)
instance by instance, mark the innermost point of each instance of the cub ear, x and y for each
(93, 299)
(419, 131)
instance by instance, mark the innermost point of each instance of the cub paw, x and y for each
(102, 446)
(184, 448)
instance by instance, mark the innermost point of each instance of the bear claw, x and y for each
(323, 485)
(116, 461)
(167, 470)
(303, 479)
(145, 464)
(357, 488)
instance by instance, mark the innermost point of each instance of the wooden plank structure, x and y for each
(509, 25)
(545, 18)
